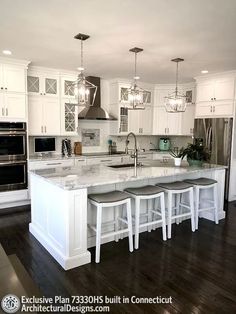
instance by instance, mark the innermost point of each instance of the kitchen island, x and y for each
(59, 202)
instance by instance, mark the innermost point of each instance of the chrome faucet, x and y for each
(135, 154)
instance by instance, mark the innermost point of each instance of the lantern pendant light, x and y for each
(137, 97)
(84, 91)
(176, 102)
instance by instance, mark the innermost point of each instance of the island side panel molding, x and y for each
(59, 222)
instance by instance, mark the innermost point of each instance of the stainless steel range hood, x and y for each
(95, 112)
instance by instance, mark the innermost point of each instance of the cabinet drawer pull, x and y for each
(214, 109)
(41, 129)
(45, 129)
(105, 160)
(1, 87)
(54, 164)
(2, 111)
(211, 108)
(6, 111)
(79, 160)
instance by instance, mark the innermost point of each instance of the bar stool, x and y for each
(177, 189)
(148, 192)
(111, 199)
(205, 184)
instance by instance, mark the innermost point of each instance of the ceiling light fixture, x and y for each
(84, 91)
(176, 102)
(137, 96)
(204, 71)
(7, 52)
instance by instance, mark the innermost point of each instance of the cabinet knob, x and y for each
(5, 88)
(1, 87)
(41, 93)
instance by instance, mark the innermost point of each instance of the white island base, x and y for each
(59, 204)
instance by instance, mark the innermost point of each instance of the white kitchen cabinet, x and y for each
(214, 109)
(215, 97)
(69, 117)
(145, 120)
(187, 120)
(67, 89)
(12, 78)
(43, 84)
(13, 102)
(140, 121)
(165, 123)
(44, 116)
(12, 106)
(216, 89)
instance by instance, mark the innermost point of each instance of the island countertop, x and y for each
(80, 177)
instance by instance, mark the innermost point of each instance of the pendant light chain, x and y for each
(135, 65)
(176, 81)
(81, 55)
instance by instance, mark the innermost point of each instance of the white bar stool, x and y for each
(111, 199)
(205, 184)
(148, 192)
(177, 189)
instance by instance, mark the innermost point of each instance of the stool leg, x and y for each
(177, 208)
(197, 202)
(137, 216)
(149, 214)
(121, 224)
(191, 200)
(216, 204)
(129, 220)
(98, 233)
(117, 236)
(169, 214)
(163, 216)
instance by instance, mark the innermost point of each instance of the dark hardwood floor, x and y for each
(197, 269)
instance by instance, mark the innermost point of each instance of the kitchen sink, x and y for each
(121, 166)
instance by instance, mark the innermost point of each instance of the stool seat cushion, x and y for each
(145, 190)
(177, 185)
(109, 197)
(201, 181)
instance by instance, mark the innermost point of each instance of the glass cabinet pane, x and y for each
(124, 94)
(70, 116)
(33, 84)
(69, 88)
(51, 86)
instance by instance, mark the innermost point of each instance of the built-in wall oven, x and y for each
(13, 156)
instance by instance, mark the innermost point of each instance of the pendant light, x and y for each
(84, 90)
(137, 97)
(176, 102)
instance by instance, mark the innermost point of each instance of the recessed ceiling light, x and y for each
(204, 71)
(7, 52)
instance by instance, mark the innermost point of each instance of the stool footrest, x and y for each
(180, 215)
(151, 223)
(123, 220)
(204, 209)
(112, 233)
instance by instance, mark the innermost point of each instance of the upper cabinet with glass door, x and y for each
(43, 82)
(67, 89)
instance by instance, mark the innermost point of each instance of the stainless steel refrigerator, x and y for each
(217, 137)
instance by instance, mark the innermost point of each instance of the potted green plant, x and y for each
(196, 154)
(177, 154)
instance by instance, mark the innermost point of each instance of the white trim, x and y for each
(64, 261)
(19, 62)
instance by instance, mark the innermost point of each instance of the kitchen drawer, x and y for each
(162, 157)
(34, 165)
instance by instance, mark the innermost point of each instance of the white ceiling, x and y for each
(200, 31)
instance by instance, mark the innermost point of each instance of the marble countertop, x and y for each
(72, 178)
(89, 155)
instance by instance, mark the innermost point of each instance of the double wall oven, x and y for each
(13, 156)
